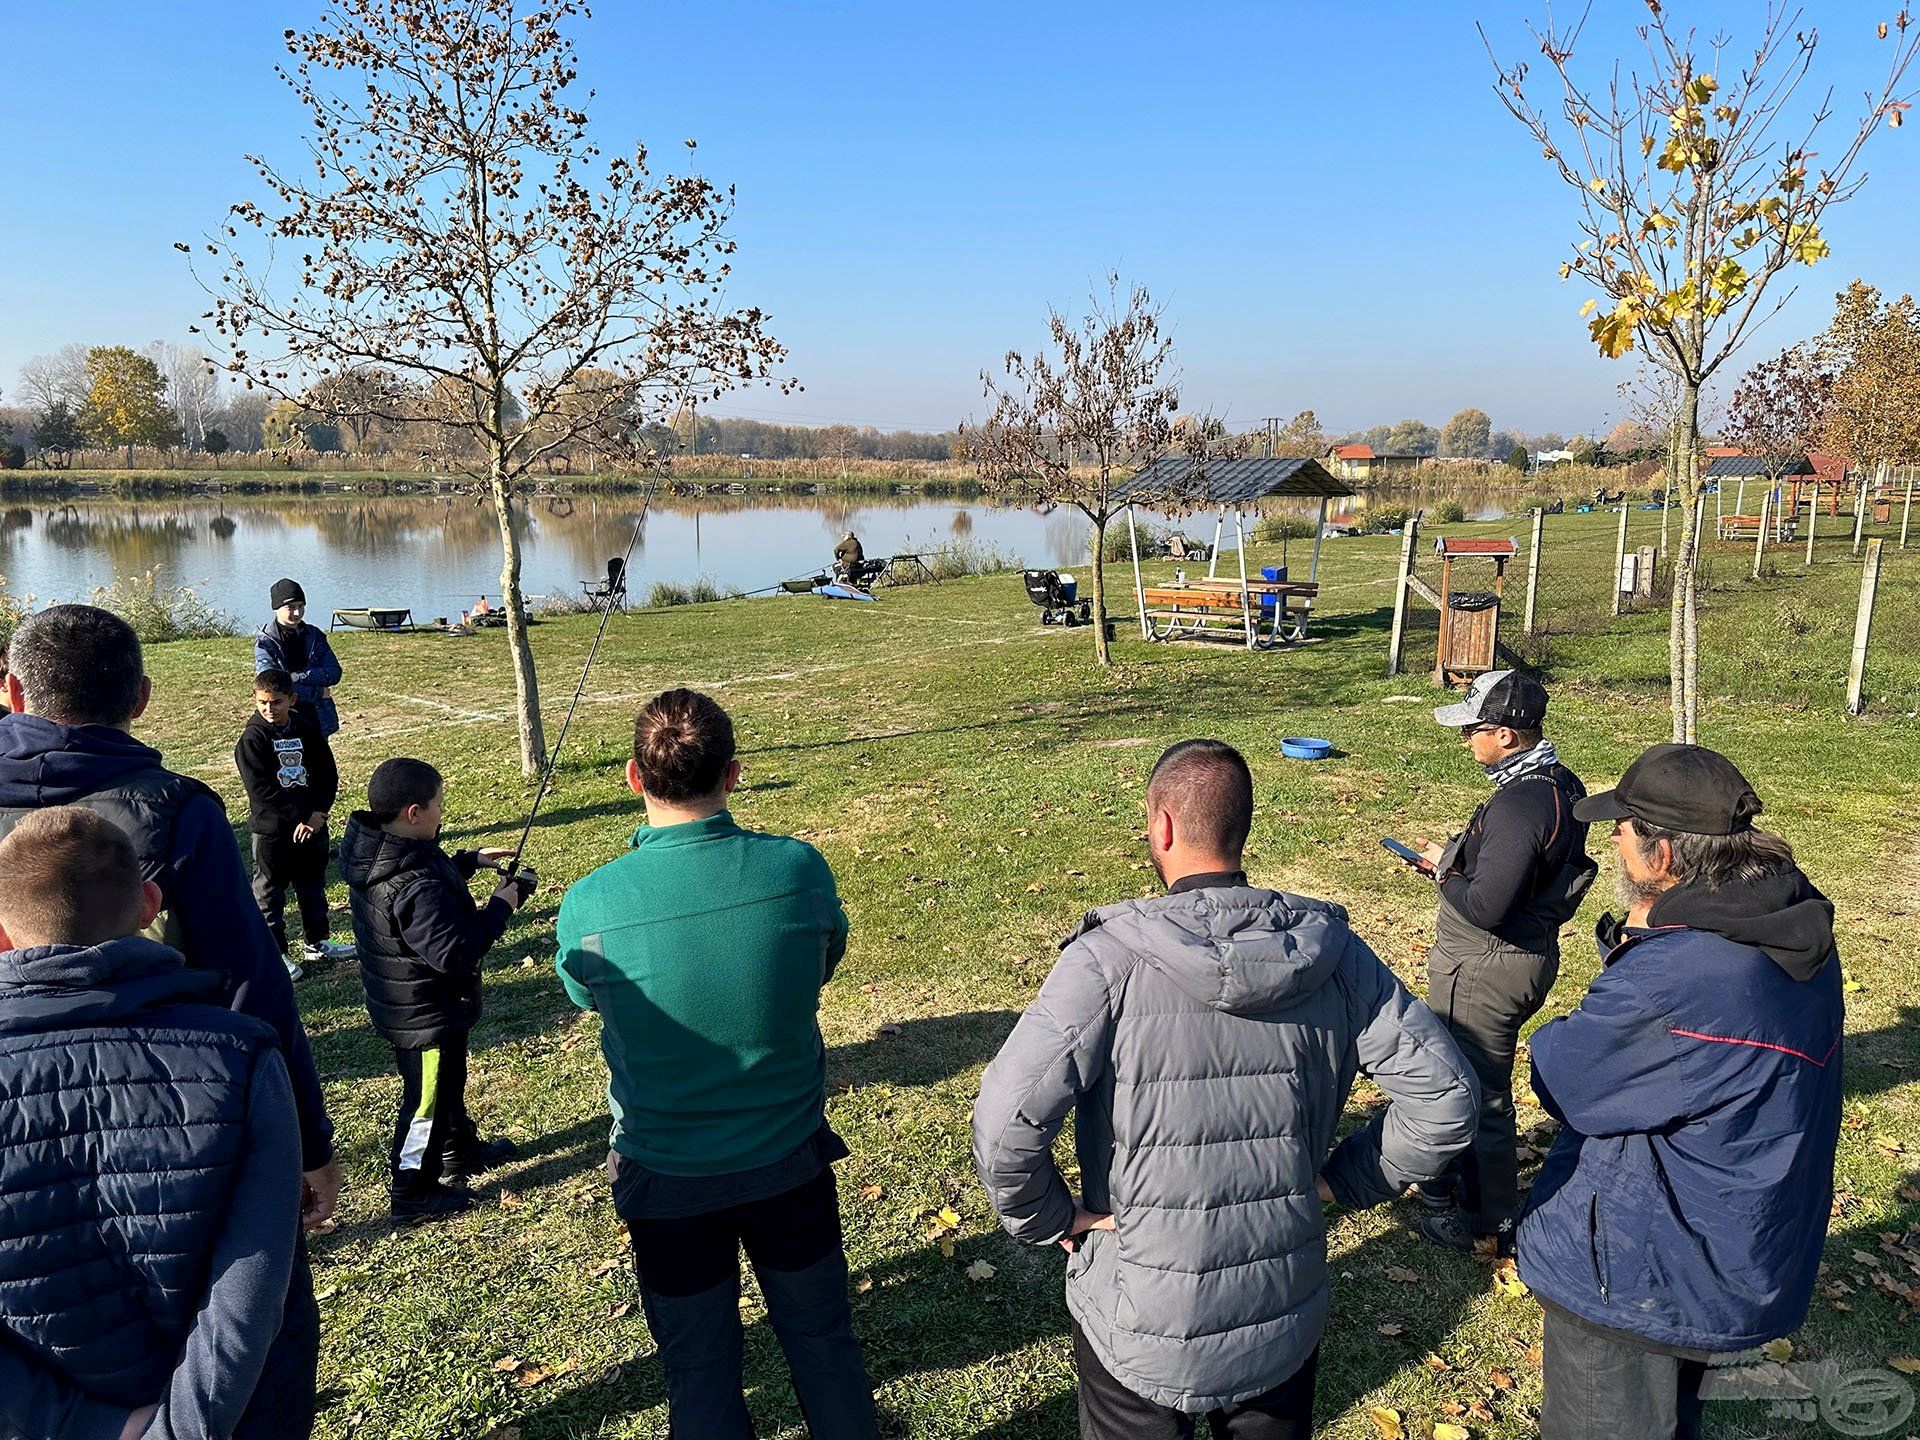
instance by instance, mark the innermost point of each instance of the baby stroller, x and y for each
(1057, 597)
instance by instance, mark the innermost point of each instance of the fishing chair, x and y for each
(613, 590)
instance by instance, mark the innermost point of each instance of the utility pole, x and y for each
(1272, 422)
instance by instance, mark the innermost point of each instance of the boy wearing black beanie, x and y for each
(287, 642)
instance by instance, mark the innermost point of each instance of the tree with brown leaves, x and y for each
(1691, 202)
(456, 227)
(1070, 425)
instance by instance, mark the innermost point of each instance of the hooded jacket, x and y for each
(308, 657)
(1519, 870)
(1686, 1201)
(421, 937)
(288, 770)
(179, 830)
(1207, 1041)
(149, 1194)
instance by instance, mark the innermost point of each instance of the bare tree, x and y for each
(193, 387)
(456, 225)
(1068, 426)
(57, 379)
(1691, 203)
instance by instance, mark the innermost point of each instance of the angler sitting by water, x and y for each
(848, 556)
(288, 643)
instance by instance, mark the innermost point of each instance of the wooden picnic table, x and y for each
(1214, 607)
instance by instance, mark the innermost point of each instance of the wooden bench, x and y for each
(1214, 609)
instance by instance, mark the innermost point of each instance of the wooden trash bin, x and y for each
(1469, 619)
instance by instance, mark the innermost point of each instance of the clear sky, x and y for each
(1328, 197)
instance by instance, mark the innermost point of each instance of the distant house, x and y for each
(1551, 457)
(1362, 462)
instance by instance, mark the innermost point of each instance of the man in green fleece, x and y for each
(704, 949)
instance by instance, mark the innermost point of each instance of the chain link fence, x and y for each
(1588, 588)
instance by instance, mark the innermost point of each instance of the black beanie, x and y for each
(285, 592)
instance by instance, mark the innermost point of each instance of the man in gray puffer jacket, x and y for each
(1208, 1040)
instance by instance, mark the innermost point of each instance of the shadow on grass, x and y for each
(921, 1052)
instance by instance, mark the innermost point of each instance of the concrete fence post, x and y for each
(1533, 571)
(1813, 521)
(1906, 510)
(1620, 560)
(1863, 626)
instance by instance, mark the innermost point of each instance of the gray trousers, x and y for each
(1484, 990)
(1600, 1385)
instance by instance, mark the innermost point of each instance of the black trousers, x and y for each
(1602, 1384)
(1110, 1411)
(279, 862)
(432, 1125)
(690, 1285)
(1483, 1000)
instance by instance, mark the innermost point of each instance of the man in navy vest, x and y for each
(76, 686)
(1683, 1209)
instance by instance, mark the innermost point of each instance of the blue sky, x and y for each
(1328, 198)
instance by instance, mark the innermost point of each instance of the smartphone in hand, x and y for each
(1410, 855)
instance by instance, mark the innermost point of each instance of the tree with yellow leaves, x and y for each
(1694, 196)
(126, 401)
(1872, 415)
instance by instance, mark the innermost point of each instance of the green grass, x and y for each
(975, 782)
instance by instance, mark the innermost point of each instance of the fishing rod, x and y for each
(512, 867)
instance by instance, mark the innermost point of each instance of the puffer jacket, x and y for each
(180, 832)
(309, 660)
(421, 937)
(149, 1194)
(1686, 1202)
(1207, 1041)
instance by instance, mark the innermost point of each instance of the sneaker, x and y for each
(1452, 1230)
(327, 952)
(431, 1202)
(476, 1157)
(295, 972)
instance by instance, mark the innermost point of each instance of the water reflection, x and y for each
(436, 553)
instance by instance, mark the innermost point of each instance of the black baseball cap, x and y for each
(1678, 787)
(1499, 697)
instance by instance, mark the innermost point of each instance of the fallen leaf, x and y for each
(1907, 1193)
(1452, 1407)
(863, 1285)
(1401, 1275)
(509, 1200)
(507, 1363)
(1506, 1279)
(1387, 1422)
(1532, 1357)
(948, 1216)
(1390, 1328)
(981, 1270)
(531, 1376)
(946, 1246)
(1500, 1380)
(605, 1267)
(620, 1311)
(1905, 1364)
(872, 1192)
(1778, 1351)
(1436, 1364)
(1447, 1430)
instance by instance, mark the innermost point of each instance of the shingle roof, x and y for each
(1231, 482)
(1760, 466)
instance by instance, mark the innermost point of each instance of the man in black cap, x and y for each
(1683, 1209)
(1507, 883)
(287, 642)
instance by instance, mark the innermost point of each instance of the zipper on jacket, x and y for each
(1593, 1243)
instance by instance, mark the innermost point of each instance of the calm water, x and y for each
(435, 555)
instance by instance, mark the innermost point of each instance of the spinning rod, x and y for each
(512, 867)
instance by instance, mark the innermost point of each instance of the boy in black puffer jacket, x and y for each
(149, 1164)
(421, 942)
(291, 781)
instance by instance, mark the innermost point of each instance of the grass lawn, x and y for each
(976, 783)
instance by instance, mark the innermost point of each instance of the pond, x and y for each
(437, 554)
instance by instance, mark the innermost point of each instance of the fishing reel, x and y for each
(522, 878)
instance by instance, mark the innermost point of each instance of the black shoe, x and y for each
(431, 1202)
(476, 1157)
(1451, 1229)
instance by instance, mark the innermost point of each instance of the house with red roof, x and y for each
(1363, 462)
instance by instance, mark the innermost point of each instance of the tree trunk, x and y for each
(1100, 648)
(526, 683)
(1683, 631)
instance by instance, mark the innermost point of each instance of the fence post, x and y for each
(1760, 540)
(1619, 559)
(1813, 520)
(1862, 625)
(1906, 511)
(1533, 569)
(1860, 513)
(1400, 592)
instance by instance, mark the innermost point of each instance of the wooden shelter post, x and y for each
(1213, 558)
(1246, 606)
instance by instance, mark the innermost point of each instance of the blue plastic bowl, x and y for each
(1304, 747)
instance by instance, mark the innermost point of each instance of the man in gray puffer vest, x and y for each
(1208, 1040)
